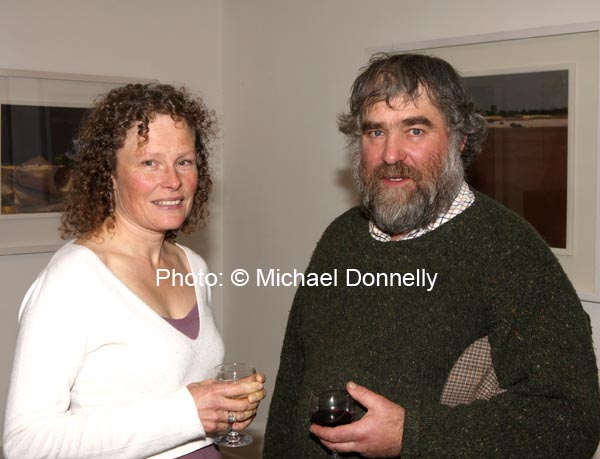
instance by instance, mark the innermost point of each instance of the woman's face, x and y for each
(155, 181)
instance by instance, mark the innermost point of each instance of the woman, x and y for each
(108, 359)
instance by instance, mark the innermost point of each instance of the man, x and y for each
(478, 347)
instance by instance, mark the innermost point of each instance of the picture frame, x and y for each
(572, 48)
(524, 164)
(26, 96)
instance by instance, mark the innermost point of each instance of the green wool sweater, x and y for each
(495, 278)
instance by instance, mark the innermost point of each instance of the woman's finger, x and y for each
(257, 396)
(238, 389)
(241, 416)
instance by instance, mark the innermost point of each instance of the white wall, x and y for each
(278, 71)
(288, 67)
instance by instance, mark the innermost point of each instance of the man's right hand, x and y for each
(377, 434)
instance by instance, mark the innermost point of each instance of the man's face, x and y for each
(409, 171)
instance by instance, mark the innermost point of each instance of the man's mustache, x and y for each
(398, 170)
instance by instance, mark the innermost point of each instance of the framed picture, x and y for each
(37, 150)
(538, 91)
(40, 114)
(524, 163)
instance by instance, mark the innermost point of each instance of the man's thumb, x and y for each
(361, 394)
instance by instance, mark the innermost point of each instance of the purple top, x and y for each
(189, 325)
(208, 452)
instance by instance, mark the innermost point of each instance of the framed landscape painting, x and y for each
(525, 161)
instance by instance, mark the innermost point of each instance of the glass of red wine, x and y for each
(331, 408)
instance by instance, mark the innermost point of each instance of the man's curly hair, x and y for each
(391, 75)
(90, 200)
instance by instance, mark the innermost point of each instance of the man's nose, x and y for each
(394, 149)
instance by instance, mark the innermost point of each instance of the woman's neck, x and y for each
(123, 238)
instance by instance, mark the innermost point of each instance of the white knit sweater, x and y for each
(98, 373)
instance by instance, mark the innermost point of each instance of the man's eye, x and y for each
(416, 131)
(148, 162)
(376, 133)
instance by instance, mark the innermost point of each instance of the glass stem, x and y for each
(232, 435)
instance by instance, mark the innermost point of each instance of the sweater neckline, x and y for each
(156, 317)
(424, 239)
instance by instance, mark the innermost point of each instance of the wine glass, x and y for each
(233, 372)
(331, 408)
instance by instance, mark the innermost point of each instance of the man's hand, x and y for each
(377, 434)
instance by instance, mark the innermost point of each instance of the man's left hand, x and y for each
(377, 434)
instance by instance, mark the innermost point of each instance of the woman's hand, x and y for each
(216, 401)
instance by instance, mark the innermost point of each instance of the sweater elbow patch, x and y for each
(472, 377)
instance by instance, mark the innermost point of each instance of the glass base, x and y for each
(233, 439)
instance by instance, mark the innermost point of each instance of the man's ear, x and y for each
(463, 142)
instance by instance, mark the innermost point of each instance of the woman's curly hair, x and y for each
(390, 75)
(90, 200)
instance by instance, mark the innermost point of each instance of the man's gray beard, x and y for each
(398, 211)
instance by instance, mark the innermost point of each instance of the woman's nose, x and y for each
(171, 178)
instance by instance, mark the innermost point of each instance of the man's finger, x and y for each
(362, 395)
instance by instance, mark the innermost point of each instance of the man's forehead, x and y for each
(404, 102)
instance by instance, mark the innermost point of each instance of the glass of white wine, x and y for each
(233, 372)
